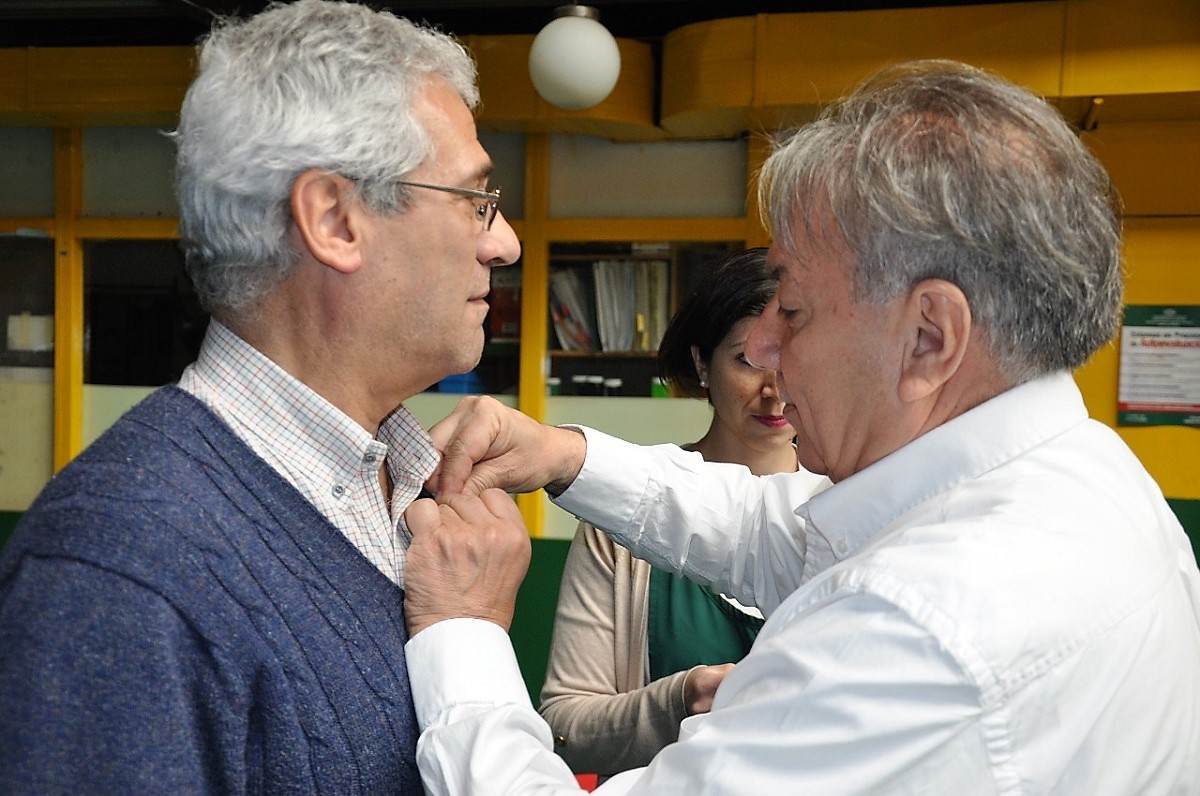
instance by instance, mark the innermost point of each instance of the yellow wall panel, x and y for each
(814, 58)
(12, 80)
(84, 81)
(708, 78)
(1162, 258)
(1156, 167)
(506, 92)
(1123, 47)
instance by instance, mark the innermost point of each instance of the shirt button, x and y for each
(842, 547)
(338, 490)
(370, 458)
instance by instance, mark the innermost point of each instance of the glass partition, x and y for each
(128, 172)
(594, 178)
(143, 325)
(27, 172)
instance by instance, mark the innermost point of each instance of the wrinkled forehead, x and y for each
(810, 233)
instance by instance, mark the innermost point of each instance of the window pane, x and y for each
(507, 151)
(128, 172)
(594, 178)
(143, 321)
(27, 172)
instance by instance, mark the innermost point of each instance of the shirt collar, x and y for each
(853, 510)
(277, 412)
(400, 431)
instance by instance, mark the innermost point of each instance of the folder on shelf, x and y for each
(615, 296)
(570, 310)
(651, 304)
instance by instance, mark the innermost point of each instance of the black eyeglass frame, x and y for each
(486, 212)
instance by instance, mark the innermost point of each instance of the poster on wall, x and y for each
(1160, 366)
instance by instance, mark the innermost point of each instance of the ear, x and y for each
(327, 216)
(939, 320)
(701, 366)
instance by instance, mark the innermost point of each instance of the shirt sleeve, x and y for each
(676, 511)
(850, 695)
(479, 731)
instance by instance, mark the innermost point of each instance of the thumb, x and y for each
(422, 515)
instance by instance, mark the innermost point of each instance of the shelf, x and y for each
(560, 354)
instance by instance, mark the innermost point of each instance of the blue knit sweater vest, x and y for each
(176, 618)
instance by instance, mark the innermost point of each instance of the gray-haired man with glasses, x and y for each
(210, 598)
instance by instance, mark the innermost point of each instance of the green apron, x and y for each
(688, 625)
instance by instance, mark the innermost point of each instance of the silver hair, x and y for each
(935, 169)
(312, 84)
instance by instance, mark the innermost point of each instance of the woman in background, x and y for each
(637, 649)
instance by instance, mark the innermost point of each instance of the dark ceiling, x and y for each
(92, 23)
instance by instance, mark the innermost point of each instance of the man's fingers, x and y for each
(467, 559)
(501, 505)
(492, 509)
(464, 437)
(421, 515)
(454, 472)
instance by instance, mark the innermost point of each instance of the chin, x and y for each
(806, 460)
(459, 359)
(468, 363)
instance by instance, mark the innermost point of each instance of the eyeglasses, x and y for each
(485, 212)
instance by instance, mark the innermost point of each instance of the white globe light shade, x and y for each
(574, 62)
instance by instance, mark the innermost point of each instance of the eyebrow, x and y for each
(485, 171)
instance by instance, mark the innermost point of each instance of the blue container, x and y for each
(462, 383)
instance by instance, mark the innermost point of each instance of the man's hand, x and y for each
(486, 445)
(467, 559)
(700, 686)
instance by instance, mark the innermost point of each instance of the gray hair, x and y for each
(307, 85)
(935, 169)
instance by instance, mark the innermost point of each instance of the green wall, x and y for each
(534, 618)
(1188, 512)
(8, 521)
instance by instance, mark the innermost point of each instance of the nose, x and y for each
(499, 245)
(762, 346)
(770, 384)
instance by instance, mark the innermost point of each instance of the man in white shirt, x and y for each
(992, 596)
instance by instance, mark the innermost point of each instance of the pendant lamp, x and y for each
(574, 61)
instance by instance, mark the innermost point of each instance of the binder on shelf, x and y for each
(651, 304)
(570, 310)
(632, 299)
(615, 298)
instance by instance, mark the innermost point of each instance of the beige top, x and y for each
(604, 716)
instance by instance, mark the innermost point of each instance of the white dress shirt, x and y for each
(1005, 605)
(317, 447)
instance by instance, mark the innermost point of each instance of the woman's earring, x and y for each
(704, 383)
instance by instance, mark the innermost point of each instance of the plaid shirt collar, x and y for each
(319, 449)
